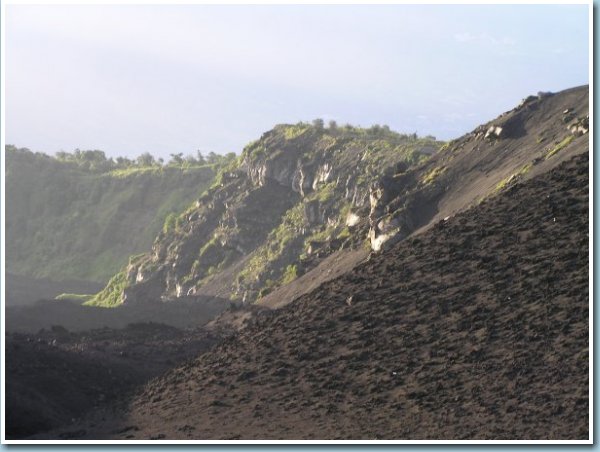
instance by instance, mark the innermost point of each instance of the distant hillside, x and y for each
(296, 195)
(71, 221)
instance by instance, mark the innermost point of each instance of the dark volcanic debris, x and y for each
(476, 329)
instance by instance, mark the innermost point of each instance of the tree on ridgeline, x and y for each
(146, 159)
(176, 159)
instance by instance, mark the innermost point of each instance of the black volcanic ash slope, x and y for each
(475, 329)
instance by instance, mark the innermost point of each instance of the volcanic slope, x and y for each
(474, 329)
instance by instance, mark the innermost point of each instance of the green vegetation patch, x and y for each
(122, 173)
(445, 146)
(344, 233)
(512, 178)
(290, 274)
(294, 131)
(277, 242)
(170, 223)
(111, 295)
(433, 175)
(75, 296)
(324, 193)
(564, 143)
(320, 236)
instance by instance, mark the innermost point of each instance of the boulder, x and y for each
(494, 132)
(352, 219)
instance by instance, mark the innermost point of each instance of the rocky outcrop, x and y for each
(580, 126)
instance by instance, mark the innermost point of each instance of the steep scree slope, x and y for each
(535, 136)
(475, 329)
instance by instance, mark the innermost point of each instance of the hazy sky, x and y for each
(165, 79)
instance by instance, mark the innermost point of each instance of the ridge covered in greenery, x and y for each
(290, 199)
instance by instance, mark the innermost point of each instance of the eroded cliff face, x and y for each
(293, 197)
